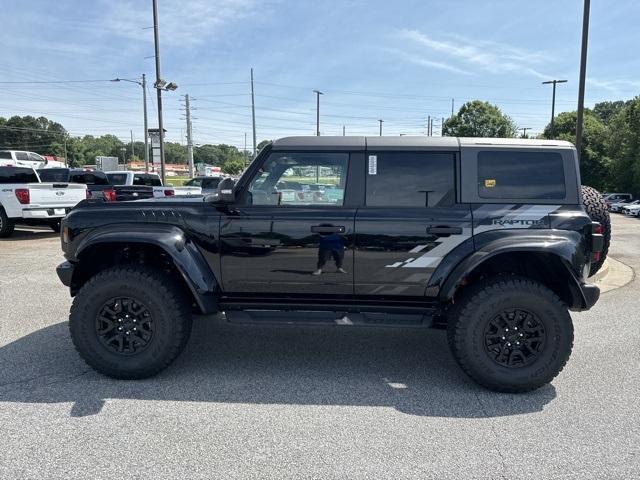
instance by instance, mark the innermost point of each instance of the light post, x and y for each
(381, 121)
(318, 93)
(143, 84)
(583, 74)
(553, 102)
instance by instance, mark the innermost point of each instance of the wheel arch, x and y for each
(548, 260)
(165, 247)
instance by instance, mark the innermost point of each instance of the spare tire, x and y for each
(596, 208)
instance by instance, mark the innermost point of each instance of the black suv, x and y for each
(487, 237)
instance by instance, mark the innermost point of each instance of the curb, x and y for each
(613, 275)
(600, 274)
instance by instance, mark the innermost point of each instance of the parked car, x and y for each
(618, 197)
(631, 210)
(617, 207)
(137, 186)
(207, 185)
(24, 199)
(97, 182)
(22, 158)
(487, 237)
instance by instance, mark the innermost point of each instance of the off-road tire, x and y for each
(167, 304)
(596, 208)
(6, 224)
(480, 304)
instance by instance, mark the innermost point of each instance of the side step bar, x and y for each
(274, 317)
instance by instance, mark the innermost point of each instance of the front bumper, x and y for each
(65, 273)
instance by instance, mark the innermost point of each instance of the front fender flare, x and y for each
(187, 258)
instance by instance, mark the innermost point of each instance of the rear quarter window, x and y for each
(509, 174)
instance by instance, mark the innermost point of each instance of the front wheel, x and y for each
(510, 334)
(130, 322)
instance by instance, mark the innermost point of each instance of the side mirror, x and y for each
(226, 192)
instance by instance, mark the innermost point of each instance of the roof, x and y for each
(406, 142)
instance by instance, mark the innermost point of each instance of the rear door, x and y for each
(410, 222)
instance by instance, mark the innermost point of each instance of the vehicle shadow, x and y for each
(408, 369)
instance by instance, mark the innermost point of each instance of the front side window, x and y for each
(22, 156)
(34, 157)
(410, 179)
(508, 174)
(311, 178)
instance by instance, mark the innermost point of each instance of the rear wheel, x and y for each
(6, 224)
(55, 225)
(510, 334)
(596, 208)
(130, 322)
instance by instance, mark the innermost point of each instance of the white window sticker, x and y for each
(373, 164)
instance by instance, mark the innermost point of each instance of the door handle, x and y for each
(444, 230)
(327, 229)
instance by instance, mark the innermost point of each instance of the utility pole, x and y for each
(452, 102)
(253, 115)
(146, 127)
(318, 93)
(133, 152)
(442, 127)
(524, 131)
(429, 126)
(189, 135)
(583, 74)
(244, 152)
(156, 41)
(553, 102)
(343, 130)
(381, 121)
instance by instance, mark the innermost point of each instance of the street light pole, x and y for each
(146, 126)
(553, 102)
(318, 93)
(583, 74)
(380, 126)
(156, 41)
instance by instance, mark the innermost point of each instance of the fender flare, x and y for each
(188, 260)
(566, 246)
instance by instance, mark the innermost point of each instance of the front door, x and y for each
(410, 222)
(291, 232)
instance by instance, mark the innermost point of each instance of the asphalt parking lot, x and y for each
(311, 402)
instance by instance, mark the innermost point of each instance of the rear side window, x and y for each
(509, 174)
(17, 175)
(5, 155)
(410, 179)
(148, 180)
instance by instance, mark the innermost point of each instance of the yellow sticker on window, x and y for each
(490, 182)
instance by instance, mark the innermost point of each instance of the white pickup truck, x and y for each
(131, 186)
(24, 199)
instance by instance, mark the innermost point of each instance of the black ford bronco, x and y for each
(486, 237)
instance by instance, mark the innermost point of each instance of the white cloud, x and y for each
(425, 62)
(186, 22)
(486, 55)
(617, 86)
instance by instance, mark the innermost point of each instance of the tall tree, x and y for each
(479, 119)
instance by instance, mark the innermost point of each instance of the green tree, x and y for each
(594, 160)
(479, 119)
(262, 144)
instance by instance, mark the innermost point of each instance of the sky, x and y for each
(400, 61)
